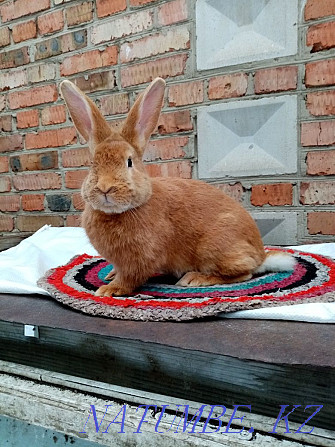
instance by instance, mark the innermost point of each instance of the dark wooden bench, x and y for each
(260, 363)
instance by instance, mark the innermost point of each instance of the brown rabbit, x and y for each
(146, 225)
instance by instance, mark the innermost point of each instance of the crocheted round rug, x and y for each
(74, 284)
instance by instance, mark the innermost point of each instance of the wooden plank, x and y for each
(275, 342)
(134, 397)
(182, 373)
(65, 408)
(12, 240)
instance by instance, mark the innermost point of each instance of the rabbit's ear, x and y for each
(143, 116)
(85, 115)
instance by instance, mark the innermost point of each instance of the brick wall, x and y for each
(111, 50)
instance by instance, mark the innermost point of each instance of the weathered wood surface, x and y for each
(12, 240)
(275, 342)
(62, 402)
(216, 362)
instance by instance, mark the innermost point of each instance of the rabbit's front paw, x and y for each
(112, 290)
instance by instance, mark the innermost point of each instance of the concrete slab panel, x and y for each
(277, 228)
(234, 32)
(248, 138)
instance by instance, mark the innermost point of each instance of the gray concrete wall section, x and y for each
(254, 139)
(244, 31)
(246, 139)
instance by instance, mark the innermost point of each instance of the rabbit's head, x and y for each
(117, 180)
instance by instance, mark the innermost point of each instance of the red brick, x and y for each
(74, 179)
(114, 104)
(320, 73)
(51, 138)
(14, 58)
(173, 12)
(73, 220)
(315, 9)
(34, 223)
(4, 164)
(186, 93)
(59, 202)
(33, 96)
(78, 201)
(165, 67)
(61, 44)
(37, 181)
(229, 86)
(79, 13)
(107, 8)
(24, 31)
(321, 103)
(6, 223)
(235, 191)
(116, 124)
(276, 79)
(73, 41)
(166, 149)
(19, 8)
(28, 118)
(318, 133)
(2, 102)
(49, 48)
(172, 40)
(317, 193)
(321, 163)
(5, 123)
(5, 184)
(42, 72)
(173, 122)
(122, 26)
(275, 194)
(321, 37)
(13, 79)
(72, 158)
(182, 169)
(9, 203)
(11, 143)
(51, 22)
(4, 36)
(34, 162)
(32, 202)
(321, 223)
(140, 2)
(88, 61)
(310, 133)
(53, 115)
(96, 81)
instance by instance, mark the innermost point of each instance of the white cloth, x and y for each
(49, 247)
(21, 266)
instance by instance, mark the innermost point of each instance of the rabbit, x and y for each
(144, 225)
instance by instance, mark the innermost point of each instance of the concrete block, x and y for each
(233, 32)
(248, 138)
(277, 228)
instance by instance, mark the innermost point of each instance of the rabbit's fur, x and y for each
(146, 225)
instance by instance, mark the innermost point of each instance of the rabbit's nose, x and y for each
(106, 190)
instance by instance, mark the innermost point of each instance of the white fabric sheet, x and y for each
(23, 265)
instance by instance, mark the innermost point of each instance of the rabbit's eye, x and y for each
(130, 162)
